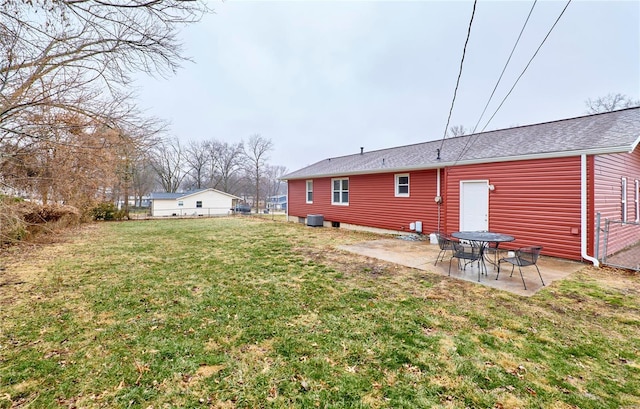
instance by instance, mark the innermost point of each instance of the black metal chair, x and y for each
(446, 244)
(524, 256)
(492, 249)
(470, 254)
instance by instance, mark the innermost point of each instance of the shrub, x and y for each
(121, 215)
(34, 213)
(20, 220)
(107, 211)
(104, 211)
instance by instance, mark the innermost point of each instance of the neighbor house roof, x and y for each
(175, 196)
(611, 132)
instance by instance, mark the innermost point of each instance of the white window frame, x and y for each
(623, 199)
(180, 203)
(340, 192)
(397, 185)
(309, 189)
(637, 199)
(199, 202)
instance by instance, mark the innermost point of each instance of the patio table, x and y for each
(482, 240)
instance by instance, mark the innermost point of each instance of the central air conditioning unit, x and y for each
(315, 220)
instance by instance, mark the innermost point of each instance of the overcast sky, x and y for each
(322, 79)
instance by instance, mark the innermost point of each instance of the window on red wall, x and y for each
(623, 199)
(309, 191)
(402, 185)
(340, 191)
(637, 199)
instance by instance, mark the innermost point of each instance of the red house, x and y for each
(544, 184)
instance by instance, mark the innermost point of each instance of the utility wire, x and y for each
(455, 91)
(527, 66)
(505, 67)
(471, 139)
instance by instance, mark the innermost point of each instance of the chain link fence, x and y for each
(627, 257)
(210, 212)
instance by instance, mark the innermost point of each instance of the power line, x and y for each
(505, 67)
(527, 66)
(471, 139)
(455, 91)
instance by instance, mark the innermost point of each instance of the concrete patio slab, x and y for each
(422, 255)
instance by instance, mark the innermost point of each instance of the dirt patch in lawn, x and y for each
(26, 264)
(624, 280)
(397, 279)
(400, 281)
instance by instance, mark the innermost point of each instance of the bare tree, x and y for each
(64, 70)
(244, 186)
(610, 102)
(272, 179)
(227, 162)
(198, 162)
(457, 130)
(131, 151)
(256, 152)
(72, 161)
(144, 179)
(125, 162)
(61, 165)
(64, 53)
(168, 163)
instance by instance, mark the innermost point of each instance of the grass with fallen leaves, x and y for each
(246, 313)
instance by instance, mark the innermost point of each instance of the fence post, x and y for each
(606, 238)
(597, 236)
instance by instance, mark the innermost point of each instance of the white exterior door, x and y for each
(474, 205)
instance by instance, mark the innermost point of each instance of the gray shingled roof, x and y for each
(610, 132)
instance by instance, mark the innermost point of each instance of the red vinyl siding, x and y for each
(536, 201)
(372, 201)
(608, 172)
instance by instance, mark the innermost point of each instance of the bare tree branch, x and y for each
(168, 162)
(610, 102)
(198, 162)
(65, 73)
(227, 162)
(457, 130)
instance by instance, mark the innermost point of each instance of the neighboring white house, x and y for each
(202, 202)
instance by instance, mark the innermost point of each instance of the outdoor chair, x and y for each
(492, 249)
(525, 256)
(446, 244)
(469, 254)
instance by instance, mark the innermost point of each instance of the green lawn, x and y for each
(246, 313)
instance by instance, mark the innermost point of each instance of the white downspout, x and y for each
(583, 212)
(438, 194)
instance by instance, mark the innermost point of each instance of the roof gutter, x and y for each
(583, 212)
(634, 145)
